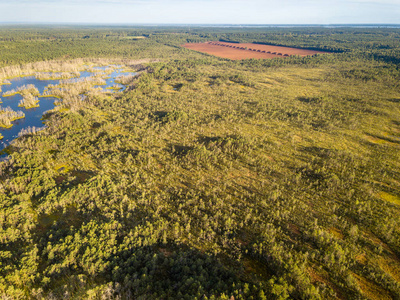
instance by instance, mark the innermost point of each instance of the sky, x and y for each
(201, 11)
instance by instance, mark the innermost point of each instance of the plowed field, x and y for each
(236, 51)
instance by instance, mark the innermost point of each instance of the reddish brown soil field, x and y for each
(236, 51)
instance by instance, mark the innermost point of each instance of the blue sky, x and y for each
(202, 11)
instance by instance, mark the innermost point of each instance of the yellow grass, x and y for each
(371, 290)
(390, 198)
(336, 232)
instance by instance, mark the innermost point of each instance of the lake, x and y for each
(33, 116)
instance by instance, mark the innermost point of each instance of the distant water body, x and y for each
(271, 25)
(300, 26)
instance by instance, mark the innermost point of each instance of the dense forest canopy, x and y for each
(207, 178)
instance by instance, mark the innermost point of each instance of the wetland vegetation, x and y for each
(204, 178)
(58, 88)
(7, 116)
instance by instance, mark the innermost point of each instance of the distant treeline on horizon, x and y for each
(205, 25)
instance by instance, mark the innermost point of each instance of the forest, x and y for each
(205, 178)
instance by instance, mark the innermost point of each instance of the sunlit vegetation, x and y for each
(208, 178)
(72, 91)
(115, 87)
(5, 81)
(125, 79)
(29, 131)
(54, 76)
(63, 69)
(7, 116)
(29, 101)
(23, 90)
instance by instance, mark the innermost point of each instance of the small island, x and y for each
(23, 90)
(7, 116)
(29, 101)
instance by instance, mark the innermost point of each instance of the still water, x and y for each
(33, 116)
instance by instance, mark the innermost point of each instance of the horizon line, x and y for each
(200, 24)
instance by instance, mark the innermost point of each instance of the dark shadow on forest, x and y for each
(317, 151)
(179, 150)
(309, 99)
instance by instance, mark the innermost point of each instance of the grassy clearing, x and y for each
(390, 198)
